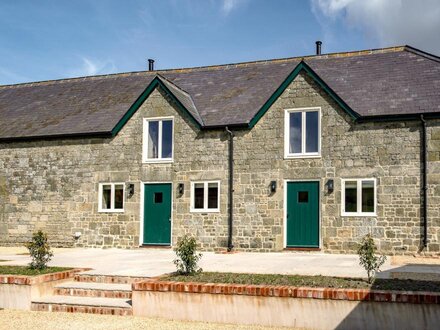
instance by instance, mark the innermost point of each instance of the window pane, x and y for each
(119, 196)
(350, 196)
(312, 134)
(167, 138)
(153, 139)
(158, 197)
(212, 195)
(368, 196)
(295, 131)
(198, 195)
(303, 196)
(106, 197)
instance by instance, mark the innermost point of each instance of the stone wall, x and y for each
(53, 184)
(389, 152)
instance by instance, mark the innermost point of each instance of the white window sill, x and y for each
(111, 211)
(299, 156)
(157, 161)
(205, 211)
(343, 214)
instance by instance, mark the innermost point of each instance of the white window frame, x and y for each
(112, 197)
(205, 197)
(145, 158)
(303, 153)
(359, 212)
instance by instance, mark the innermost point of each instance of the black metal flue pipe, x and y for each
(318, 47)
(150, 64)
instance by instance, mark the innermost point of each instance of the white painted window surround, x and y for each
(158, 140)
(111, 197)
(302, 133)
(205, 196)
(358, 197)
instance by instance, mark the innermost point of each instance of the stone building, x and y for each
(297, 153)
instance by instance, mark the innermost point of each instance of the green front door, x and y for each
(157, 214)
(302, 214)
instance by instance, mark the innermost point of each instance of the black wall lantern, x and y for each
(273, 187)
(330, 186)
(181, 189)
(130, 189)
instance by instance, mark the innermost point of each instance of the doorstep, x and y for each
(302, 249)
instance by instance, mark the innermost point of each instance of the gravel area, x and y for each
(24, 320)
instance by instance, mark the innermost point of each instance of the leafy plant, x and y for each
(39, 250)
(187, 256)
(368, 258)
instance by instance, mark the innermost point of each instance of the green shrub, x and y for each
(39, 250)
(368, 258)
(187, 256)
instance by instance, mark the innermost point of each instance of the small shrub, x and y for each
(39, 250)
(187, 256)
(368, 258)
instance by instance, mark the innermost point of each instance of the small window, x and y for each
(158, 140)
(158, 197)
(302, 132)
(359, 197)
(111, 197)
(303, 196)
(205, 196)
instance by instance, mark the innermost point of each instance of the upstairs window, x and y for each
(359, 197)
(158, 140)
(205, 196)
(302, 133)
(111, 197)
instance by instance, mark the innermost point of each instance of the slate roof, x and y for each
(183, 98)
(373, 83)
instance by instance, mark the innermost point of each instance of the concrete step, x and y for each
(90, 305)
(93, 289)
(97, 278)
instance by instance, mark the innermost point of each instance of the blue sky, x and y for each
(44, 39)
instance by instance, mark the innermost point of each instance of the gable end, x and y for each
(156, 82)
(302, 66)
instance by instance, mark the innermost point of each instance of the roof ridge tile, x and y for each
(217, 66)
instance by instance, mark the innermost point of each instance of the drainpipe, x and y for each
(424, 146)
(230, 187)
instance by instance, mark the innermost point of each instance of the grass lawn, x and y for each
(309, 281)
(25, 270)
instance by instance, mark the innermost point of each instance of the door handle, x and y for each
(169, 219)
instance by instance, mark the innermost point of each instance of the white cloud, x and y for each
(390, 22)
(91, 67)
(230, 5)
(10, 77)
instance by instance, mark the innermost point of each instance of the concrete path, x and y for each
(154, 262)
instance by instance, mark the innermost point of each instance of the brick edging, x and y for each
(30, 280)
(290, 292)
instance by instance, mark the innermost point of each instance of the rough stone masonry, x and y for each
(53, 184)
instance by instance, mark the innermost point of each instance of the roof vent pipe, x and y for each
(318, 47)
(150, 64)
